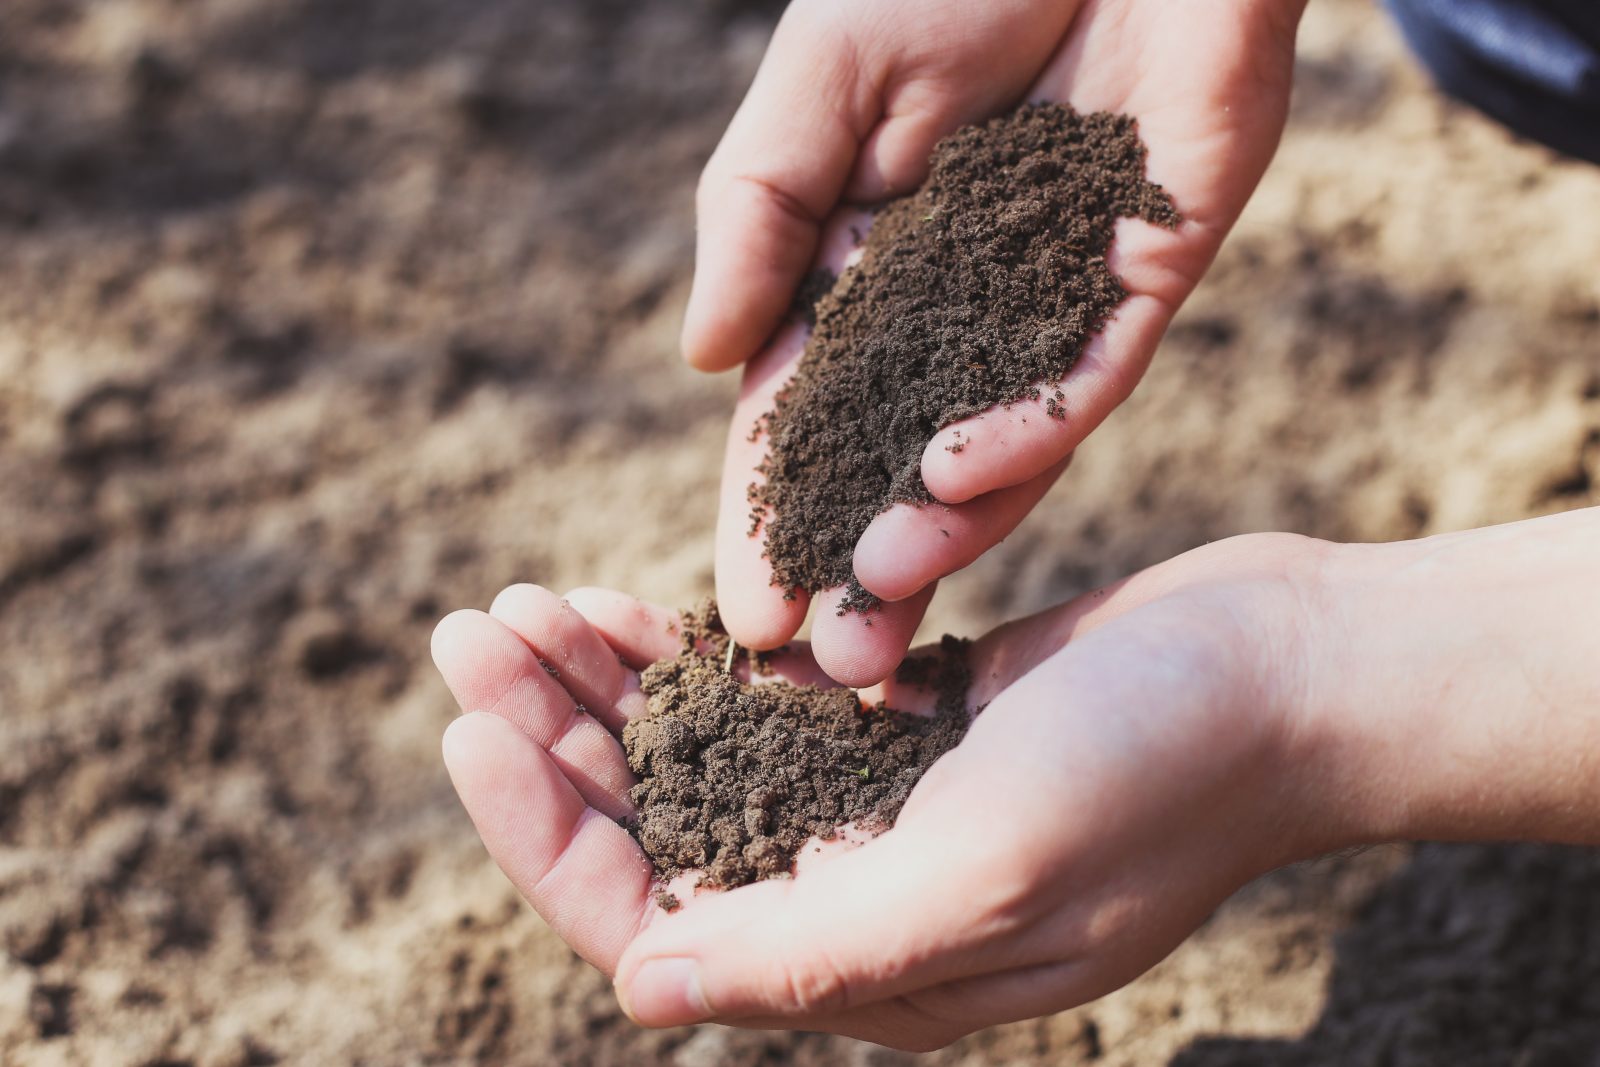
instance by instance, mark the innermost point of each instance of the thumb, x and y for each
(778, 172)
(849, 96)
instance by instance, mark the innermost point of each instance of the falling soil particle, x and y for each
(735, 777)
(985, 284)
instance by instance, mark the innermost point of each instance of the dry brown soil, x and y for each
(317, 319)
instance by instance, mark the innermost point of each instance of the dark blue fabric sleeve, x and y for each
(1532, 64)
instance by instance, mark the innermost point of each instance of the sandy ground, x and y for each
(319, 319)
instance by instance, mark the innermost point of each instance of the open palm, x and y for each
(1129, 771)
(547, 685)
(846, 109)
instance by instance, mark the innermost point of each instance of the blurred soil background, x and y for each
(318, 319)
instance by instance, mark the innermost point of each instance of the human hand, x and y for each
(1137, 761)
(846, 109)
(1259, 701)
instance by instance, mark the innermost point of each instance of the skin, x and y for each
(1146, 749)
(845, 110)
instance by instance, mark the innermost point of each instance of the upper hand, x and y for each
(846, 109)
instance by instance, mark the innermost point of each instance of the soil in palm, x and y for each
(736, 777)
(980, 289)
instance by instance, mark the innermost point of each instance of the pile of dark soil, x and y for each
(735, 777)
(982, 286)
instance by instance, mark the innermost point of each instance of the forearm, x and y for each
(1453, 685)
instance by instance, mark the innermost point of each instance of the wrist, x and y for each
(1342, 748)
(1292, 605)
(1447, 692)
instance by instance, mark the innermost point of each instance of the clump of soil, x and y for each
(735, 777)
(972, 292)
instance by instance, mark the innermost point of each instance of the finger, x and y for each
(1209, 151)
(845, 92)
(1007, 446)
(580, 870)
(489, 668)
(642, 633)
(773, 179)
(1211, 128)
(795, 664)
(573, 653)
(908, 547)
(858, 648)
(639, 632)
(758, 614)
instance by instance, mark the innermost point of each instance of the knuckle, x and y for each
(751, 194)
(776, 199)
(811, 984)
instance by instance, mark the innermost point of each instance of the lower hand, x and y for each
(1135, 764)
(1149, 749)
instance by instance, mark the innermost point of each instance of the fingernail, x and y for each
(666, 992)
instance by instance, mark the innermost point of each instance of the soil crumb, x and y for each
(736, 777)
(974, 291)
